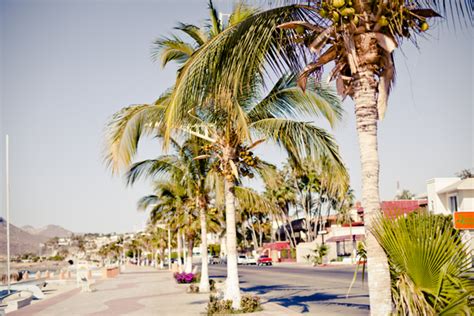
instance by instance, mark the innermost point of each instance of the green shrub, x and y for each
(293, 253)
(284, 253)
(216, 306)
(248, 304)
(56, 258)
(429, 264)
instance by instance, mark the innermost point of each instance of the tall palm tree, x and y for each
(130, 123)
(359, 36)
(233, 130)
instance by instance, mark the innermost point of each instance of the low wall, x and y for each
(110, 272)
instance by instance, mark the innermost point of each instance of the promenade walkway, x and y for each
(138, 291)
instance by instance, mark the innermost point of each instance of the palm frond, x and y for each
(250, 199)
(299, 139)
(233, 57)
(146, 201)
(124, 131)
(171, 49)
(194, 32)
(215, 26)
(165, 165)
(286, 99)
(241, 12)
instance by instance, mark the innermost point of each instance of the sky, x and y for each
(67, 66)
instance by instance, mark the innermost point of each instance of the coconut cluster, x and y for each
(395, 18)
(244, 161)
(339, 11)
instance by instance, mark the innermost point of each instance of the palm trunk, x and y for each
(185, 258)
(189, 256)
(254, 236)
(366, 116)
(204, 283)
(180, 246)
(232, 291)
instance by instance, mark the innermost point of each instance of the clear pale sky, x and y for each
(67, 66)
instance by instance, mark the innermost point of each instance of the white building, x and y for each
(449, 195)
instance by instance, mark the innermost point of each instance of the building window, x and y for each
(453, 204)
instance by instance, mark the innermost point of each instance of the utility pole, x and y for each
(7, 198)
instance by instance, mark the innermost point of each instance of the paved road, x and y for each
(315, 291)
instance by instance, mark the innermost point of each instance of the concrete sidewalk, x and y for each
(138, 291)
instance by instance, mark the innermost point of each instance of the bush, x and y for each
(186, 277)
(284, 253)
(429, 264)
(56, 258)
(248, 304)
(193, 288)
(216, 306)
(293, 253)
(212, 285)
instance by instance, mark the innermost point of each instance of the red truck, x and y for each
(264, 260)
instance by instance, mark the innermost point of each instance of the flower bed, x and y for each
(186, 277)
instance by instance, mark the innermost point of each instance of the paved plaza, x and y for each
(137, 291)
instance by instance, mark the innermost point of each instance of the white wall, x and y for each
(436, 203)
(466, 200)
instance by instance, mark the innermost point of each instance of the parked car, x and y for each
(214, 260)
(251, 261)
(244, 259)
(264, 260)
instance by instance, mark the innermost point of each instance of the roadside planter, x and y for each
(110, 272)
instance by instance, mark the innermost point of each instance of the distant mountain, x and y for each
(49, 231)
(20, 240)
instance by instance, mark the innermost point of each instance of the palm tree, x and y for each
(193, 174)
(359, 37)
(130, 123)
(231, 131)
(405, 195)
(229, 118)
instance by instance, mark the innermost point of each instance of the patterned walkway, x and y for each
(138, 291)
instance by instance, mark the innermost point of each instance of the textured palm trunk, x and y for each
(366, 119)
(189, 256)
(232, 291)
(204, 283)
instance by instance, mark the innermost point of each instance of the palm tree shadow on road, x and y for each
(292, 296)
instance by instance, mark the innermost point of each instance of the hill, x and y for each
(49, 231)
(20, 240)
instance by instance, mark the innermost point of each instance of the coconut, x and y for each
(383, 21)
(299, 29)
(338, 3)
(424, 26)
(347, 11)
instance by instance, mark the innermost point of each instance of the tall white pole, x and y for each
(169, 249)
(7, 198)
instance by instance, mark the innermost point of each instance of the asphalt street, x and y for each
(304, 289)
